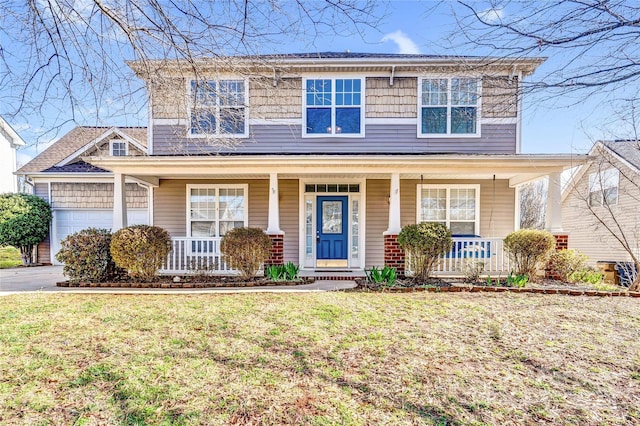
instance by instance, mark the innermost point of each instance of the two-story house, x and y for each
(332, 153)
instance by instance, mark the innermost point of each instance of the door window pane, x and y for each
(332, 217)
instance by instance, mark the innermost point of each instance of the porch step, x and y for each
(333, 275)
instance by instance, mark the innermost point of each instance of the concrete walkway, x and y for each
(44, 279)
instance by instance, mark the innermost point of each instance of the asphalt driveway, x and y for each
(36, 278)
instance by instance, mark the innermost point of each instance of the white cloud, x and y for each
(405, 44)
(492, 15)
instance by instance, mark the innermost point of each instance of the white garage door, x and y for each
(67, 222)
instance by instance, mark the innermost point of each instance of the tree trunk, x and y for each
(635, 285)
(26, 252)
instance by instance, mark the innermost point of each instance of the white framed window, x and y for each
(214, 210)
(333, 107)
(118, 148)
(218, 108)
(603, 187)
(449, 107)
(456, 206)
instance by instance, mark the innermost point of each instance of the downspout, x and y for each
(519, 94)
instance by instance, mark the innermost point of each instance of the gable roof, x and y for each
(624, 150)
(628, 150)
(73, 142)
(14, 138)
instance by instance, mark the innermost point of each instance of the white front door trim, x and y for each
(310, 263)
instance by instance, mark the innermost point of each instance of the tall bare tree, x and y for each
(595, 44)
(533, 204)
(63, 60)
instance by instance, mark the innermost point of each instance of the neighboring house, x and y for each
(605, 193)
(10, 141)
(80, 194)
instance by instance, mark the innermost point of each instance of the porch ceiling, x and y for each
(518, 168)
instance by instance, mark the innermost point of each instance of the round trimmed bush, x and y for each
(246, 249)
(24, 222)
(529, 250)
(86, 256)
(140, 250)
(424, 243)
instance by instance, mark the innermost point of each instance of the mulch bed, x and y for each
(191, 282)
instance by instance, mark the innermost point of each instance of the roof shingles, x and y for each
(71, 142)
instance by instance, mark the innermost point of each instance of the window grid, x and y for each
(333, 107)
(118, 148)
(456, 208)
(218, 107)
(603, 187)
(214, 211)
(449, 106)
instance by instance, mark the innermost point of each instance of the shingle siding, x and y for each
(67, 195)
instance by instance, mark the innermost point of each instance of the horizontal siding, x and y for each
(377, 219)
(587, 234)
(380, 138)
(288, 190)
(42, 191)
(496, 205)
(170, 203)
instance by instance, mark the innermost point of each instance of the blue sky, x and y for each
(558, 125)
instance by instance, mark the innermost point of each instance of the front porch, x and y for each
(336, 213)
(203, 256)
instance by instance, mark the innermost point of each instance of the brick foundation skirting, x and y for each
(277, 250)
(562, 243)
(393, 254)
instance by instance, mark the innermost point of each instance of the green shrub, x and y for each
(140, 250)
(286, 272)
(246, 249)
(586, 275)
(424, 243)
(86, 256)
(386, 275)
(563, 263)
(529, 250)
(24, 222)
(518, 281)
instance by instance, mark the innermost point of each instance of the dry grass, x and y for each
(332, 358)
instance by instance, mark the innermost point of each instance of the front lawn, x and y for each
(9, 257)
(330, 358)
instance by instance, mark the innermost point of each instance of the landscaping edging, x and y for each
(189, 285)
(488, 289)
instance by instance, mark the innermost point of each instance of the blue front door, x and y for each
(332, 231)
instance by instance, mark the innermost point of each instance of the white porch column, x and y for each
(273, 225)
(394, 206)
(119, 202)
(554, 203)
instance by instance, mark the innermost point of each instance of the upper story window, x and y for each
(118, 148)
(218, 107)
(334, 107)
(449, 106)
(603, 187)
(456, 206)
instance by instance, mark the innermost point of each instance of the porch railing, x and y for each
(195, 255)
(489, 251)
